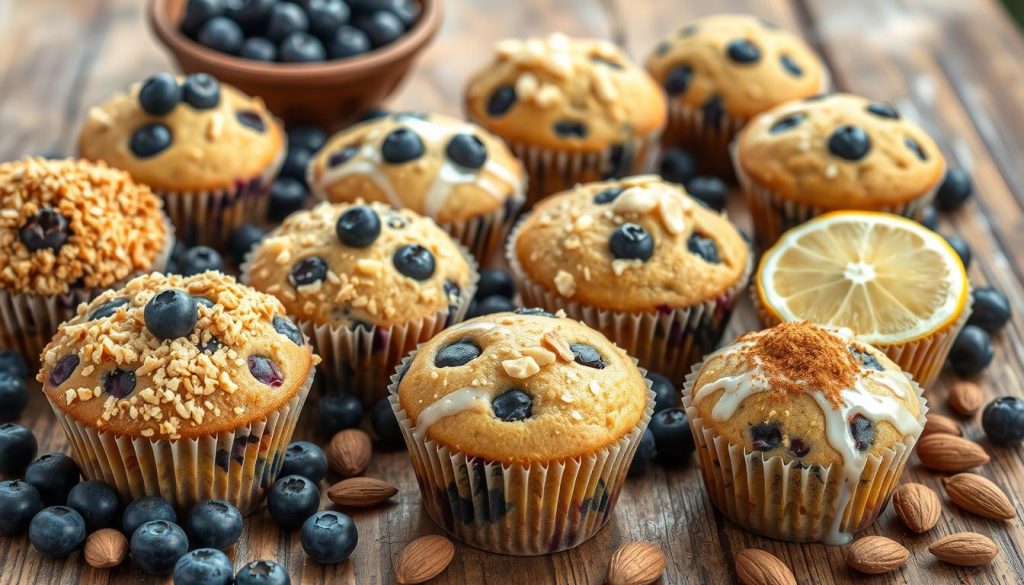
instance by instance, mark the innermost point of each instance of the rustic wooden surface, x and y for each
(952, 65)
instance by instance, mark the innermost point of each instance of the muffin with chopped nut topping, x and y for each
(187, 388)
(639, 260)
(210, 151)
(573, 110)
(367, 283)
(521, 428)
(69, 229)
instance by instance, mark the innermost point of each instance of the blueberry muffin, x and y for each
(639, 260)
(841, 151)
(521, 428)
(69, 229)
(207, 149)
(367, 283)
(187, 388)
(451, 171)
(573, 110)
(719, 72)
(802, 431)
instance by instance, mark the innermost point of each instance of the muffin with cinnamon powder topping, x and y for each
(802, 431)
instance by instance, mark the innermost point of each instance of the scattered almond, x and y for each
(917, 506)
(636, 563)
(758, 567)
(937, 423)
(349, 452)
(875, 555)
(978, 495)
(944, 452)
(423, 559)
(105, 548)
(361, 492)
(965, 397)
(966, 549)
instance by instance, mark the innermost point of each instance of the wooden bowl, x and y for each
(329, 94)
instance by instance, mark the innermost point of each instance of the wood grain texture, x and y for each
(952, 65)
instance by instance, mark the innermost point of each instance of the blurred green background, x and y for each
(1016, 8)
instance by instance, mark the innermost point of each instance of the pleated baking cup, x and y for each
(689, 129)
(484, 235)
(790, 501)
(237, 465)
(521, 509)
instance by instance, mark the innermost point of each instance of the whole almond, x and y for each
(978, 495)
(875, 555)
(423, 559)
(349, 452)
(361, 492)
(758, 567)
(636, 563)
(105, 548)
(967, 549)
(917, 506)
(965, 397)
(936, 423)
(950, 453)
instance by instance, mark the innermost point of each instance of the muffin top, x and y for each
(435, 165)
(359, 265)
(523, 387)
(839, 151)
(576, 95)
(641, 235)
(809, 394)
(75, 224)
(172, 356)
(184, 134)
(736, 65)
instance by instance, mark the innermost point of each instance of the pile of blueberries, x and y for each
(667, 436)
(303, 31)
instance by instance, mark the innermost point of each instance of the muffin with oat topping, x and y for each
(521, 428)
(639, 260)
(69, 229)
(573, 110)
(367, 283)
(187, 388)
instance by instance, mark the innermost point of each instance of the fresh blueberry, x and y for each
(1003, 421)
(971, 351)
(513, 405)
(787, 123)
(146, 509)
(849, 142)
(863, 431)
(291, 500)
(97, 502)
(337, 412)
(414, 261)
(631, 242)
(258, 49)
(703, 247)
(570, 129)
(13, 396)
(150, 140)
(930, 218)
(645, 451)
(12, 362)
(157, 545)
(489, 306)
(348, 41)
(587, 356)
(955, 190)
(215, 524)
(664, 391)
(385, 424)
(327, 16)
(407, 11)
(53, 474)
(961, 248)
(262, 573)
(672, 437)
(743, 51)
(307, 271)
(883, 110)
(199, 259)
(765, 436)
(284, 19)
(708, 190)
(221, 34)
(678, 166)
(286, 197)
(300, 47)
(467, 150)
(991, 309)
(306, 137)
(605, 196)
(45, 229)
(358, 226)
(501, 101)
(265, 371)
(159, 94)
(17, 448)
(678, 79)
(382, 27)
(19, 503)
(57, 531)
(203, 566)
(305, 459)
(244, 239)
(201, 91)
(713, 110)
(171, 314)
(791, 66)
(329, 537)
(198, 12)
(251, 14)
(401, 146)
(495, 281)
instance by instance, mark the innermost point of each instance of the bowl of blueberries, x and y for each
(325, 62)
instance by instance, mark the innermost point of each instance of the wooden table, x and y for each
(955, 66)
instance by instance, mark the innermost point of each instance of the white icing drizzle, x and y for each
(459, 401)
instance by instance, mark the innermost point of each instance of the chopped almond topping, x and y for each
(521, 368)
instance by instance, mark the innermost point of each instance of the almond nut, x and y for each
(917, 506)
(636, 563)
(758, 567)
(361, 492)
(349, 452)
(965, 397)
(423, 559)
(105, 548)
(978, 495)
(875, 555)
(966, 549)
(950, 453)
(936, 423)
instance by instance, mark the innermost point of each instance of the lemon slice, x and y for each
(889, 279)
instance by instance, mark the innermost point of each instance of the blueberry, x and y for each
(971, 351)
(203, 566)
(201, 91)
(587, 356)
(262, 573)
(171, 314)
(467, 150)
(300, 47)
(157, 545)
(930, 218)
(12, 362)
(13, 396)
(501, 101)
(108, 308)
(489, 306)
(513, 405)
(199, 259)
(714, 111)
(265, 371)
(57, 531)
(329, 537)
(348, 41)
(708, 190)
(159, 94)
(849, 142)
(1002, 419)
(791, 66)
(916, 148)
(385, 424)
(415, 261)
(291, 500)
(765, 436)
(401, 146)
(703, 247)
(798, 447)
(358, 226)
(306, 137)
(251, 14)
(645, 451)
(672, 437)
(678, 79)
(955, 190)
(495, 281)
(631, 242)
(53, 474)
(284, 19)
(961, 248)
(251, 119)
(678, 166)
(743, 51)
(863, 432)
(326, 17)
(786, 123)
(221, 34)
(146, 509)
(215, 524)
(284, 326)
(664, 391)
(150, 140)
(307, 271)
(883, 110)
(570, 129)
(342, 156)
(286, 197)
(407, 11)
(19, 503)
(457, 354)
(96, 502)
(305, 459)
(17, 448)
(258, 49)
(337, 412)
(608, 195)
(45, 229)
(991, 309)
(866, 359)
(198, 12)
(382, 27)
(244, 239)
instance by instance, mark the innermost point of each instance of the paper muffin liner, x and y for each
(237, 465)
(484, 235)
(29, 321)
(788, 501)
(687, 129)
(667, 341)
(521, 509)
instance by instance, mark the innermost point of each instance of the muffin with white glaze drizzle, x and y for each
(802, 431)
